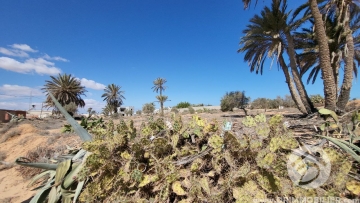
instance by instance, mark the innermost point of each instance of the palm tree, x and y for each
(341, 21)
(309, 59)
(159, 87)
(66, 89)
(107, 110)
(113, 96)
(162, 99)
(327, 74)
(269, 35)
(343, 11)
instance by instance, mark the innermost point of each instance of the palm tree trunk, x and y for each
(348, 72)
(162, 108)
(326, 70)
(297, 79)
(335, 65)
(291, 86)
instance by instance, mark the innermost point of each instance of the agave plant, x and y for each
(61, 177)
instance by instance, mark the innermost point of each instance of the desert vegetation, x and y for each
(235, 157)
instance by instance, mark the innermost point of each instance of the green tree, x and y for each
(234, 99)
(107, 110)
(66, 89)
(148, 108)
(159, 88)
(113, 96)
(268, 35)
(91, 112)
(183, 105)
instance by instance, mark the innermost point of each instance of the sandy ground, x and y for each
(13, 187)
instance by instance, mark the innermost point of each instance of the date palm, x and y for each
(66, 89)
(341, 21)
(159, 85)
(309, 58)
(162, 99)
(113, 96)
(268, 35)
(327, 73)
(159, 88)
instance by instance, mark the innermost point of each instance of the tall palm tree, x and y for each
(327, 74)
(162, 99)
(342, 10)
(269, 35)
(113, 96)
(159, 87)
(66, 89)
(341, 21)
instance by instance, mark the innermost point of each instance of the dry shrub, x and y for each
(27, 128)
(351, 106)
(53, 138)
(9, 134)
(7, 127)
(40, 154)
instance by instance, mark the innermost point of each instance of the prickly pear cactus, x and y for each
(191, 162)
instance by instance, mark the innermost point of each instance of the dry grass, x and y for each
(53, 138)
(10, 134)
(42, 155)
(6, 127)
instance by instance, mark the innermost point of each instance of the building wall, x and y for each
(5, 117)
(37, 113)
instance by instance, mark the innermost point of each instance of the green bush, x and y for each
(148, 108)
(233, 99)
(138, 112)
(317, 99)
(183, 105)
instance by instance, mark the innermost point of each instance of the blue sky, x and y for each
(193, 44)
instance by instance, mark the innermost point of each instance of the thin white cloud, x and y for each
(91, 84)
(37, 65)
(19, 105)
(23, 47)
(94, 104)
(13, 52)
(55, 58)
(11, 91)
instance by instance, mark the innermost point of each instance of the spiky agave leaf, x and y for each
(80, 131)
